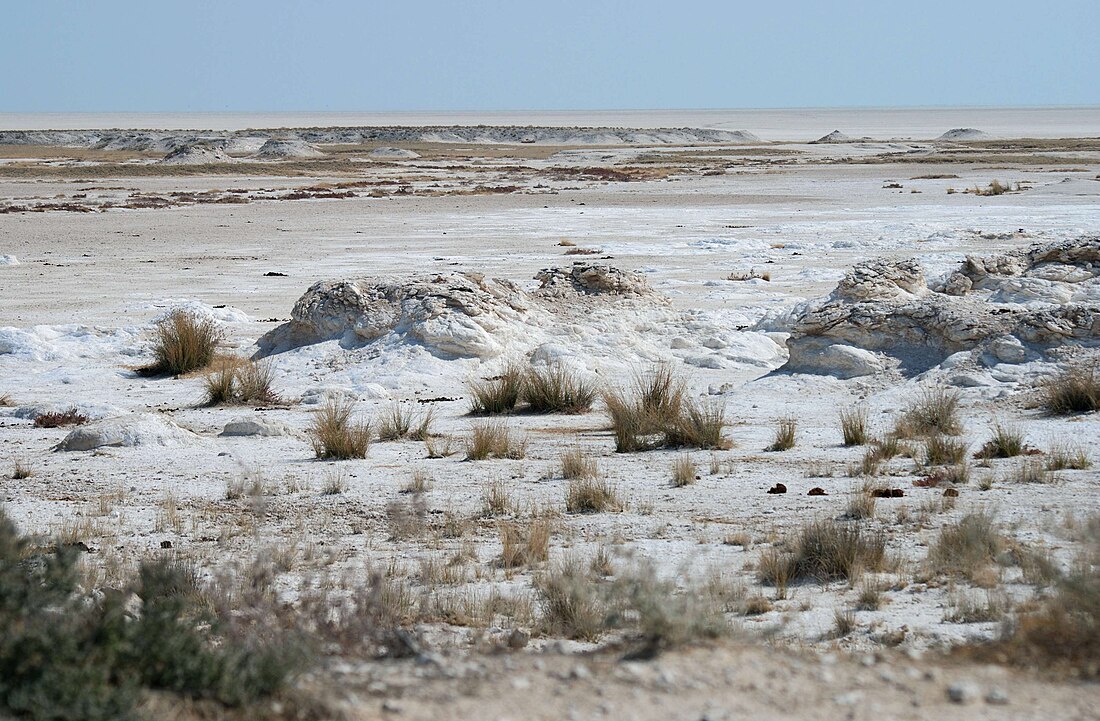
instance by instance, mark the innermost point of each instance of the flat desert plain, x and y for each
(587, 362)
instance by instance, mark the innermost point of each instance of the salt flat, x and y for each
(729, 240)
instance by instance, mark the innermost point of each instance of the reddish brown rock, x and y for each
(777, 488)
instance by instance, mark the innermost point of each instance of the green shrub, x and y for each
(69, 655)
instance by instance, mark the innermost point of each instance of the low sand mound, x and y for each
(138, 429)
(287, 149)
(196, 155)
(1009, 308)
(835, 137)
(393, 154)
(964, 134)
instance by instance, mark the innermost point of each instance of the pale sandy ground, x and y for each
(88, 285)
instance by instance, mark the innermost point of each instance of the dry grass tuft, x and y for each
(1065, 630)
(785, 433)
(699, 425)
(235, 382)
(496, 499)
(1064, 456)
(497, 395)
(523, 545)
(683, 471)
(335, 436)
(592, 495)
(1075, 391)
(21, 470)
(335, 483)
(968, 548)
(183, 343)
(1007, 442)
(1032, 469)
(398, 422)
(826, 550)
(493, 439)
(943, 451)
(853, 425)
(556, 389)
(578, 464)
(641, 416)
(861, 505)
(934, 412)
(569, 602)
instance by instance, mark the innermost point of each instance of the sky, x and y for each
(425, 55)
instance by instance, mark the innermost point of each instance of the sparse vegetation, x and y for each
(240, 382)
(995, 187)
(826, 550)
(683, 471)
(591, 495)
(1065, 629)
(335, 435)
(861, 505)
(1077, 390)
(556, 389)
(934, 412)
(967, 548)
(496, 499)
(1007, 442)
(183, 343)
(497, 395)
(65, 654)
(569, 601)
(640, 417)
(493, 439)
(785, 432)
(853, 425)
(942, 451)
(1063, 456)
(578, 464)
(1032, 469)
(68, 417)
(335, 483)
(21, 470)
(977, 607)
(398, 422)
(523, 545)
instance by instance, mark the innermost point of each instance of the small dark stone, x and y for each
(777, 488)
(817, 491)
(950, 493)
(165, 544)
(274, 274)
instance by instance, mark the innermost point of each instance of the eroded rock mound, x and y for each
(454, 315)
(963, 134)
(136, 429)
(196, 155)
(1013, 307)
(591, 279)
(288, 148)
(457, 314)
(393, 154)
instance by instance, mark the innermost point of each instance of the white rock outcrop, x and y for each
(1012, 306)
(257, 426)
(456, 314)
(135, 429)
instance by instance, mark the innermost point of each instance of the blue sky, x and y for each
(115, 55)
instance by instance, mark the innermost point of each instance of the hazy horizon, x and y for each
(494, 56)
